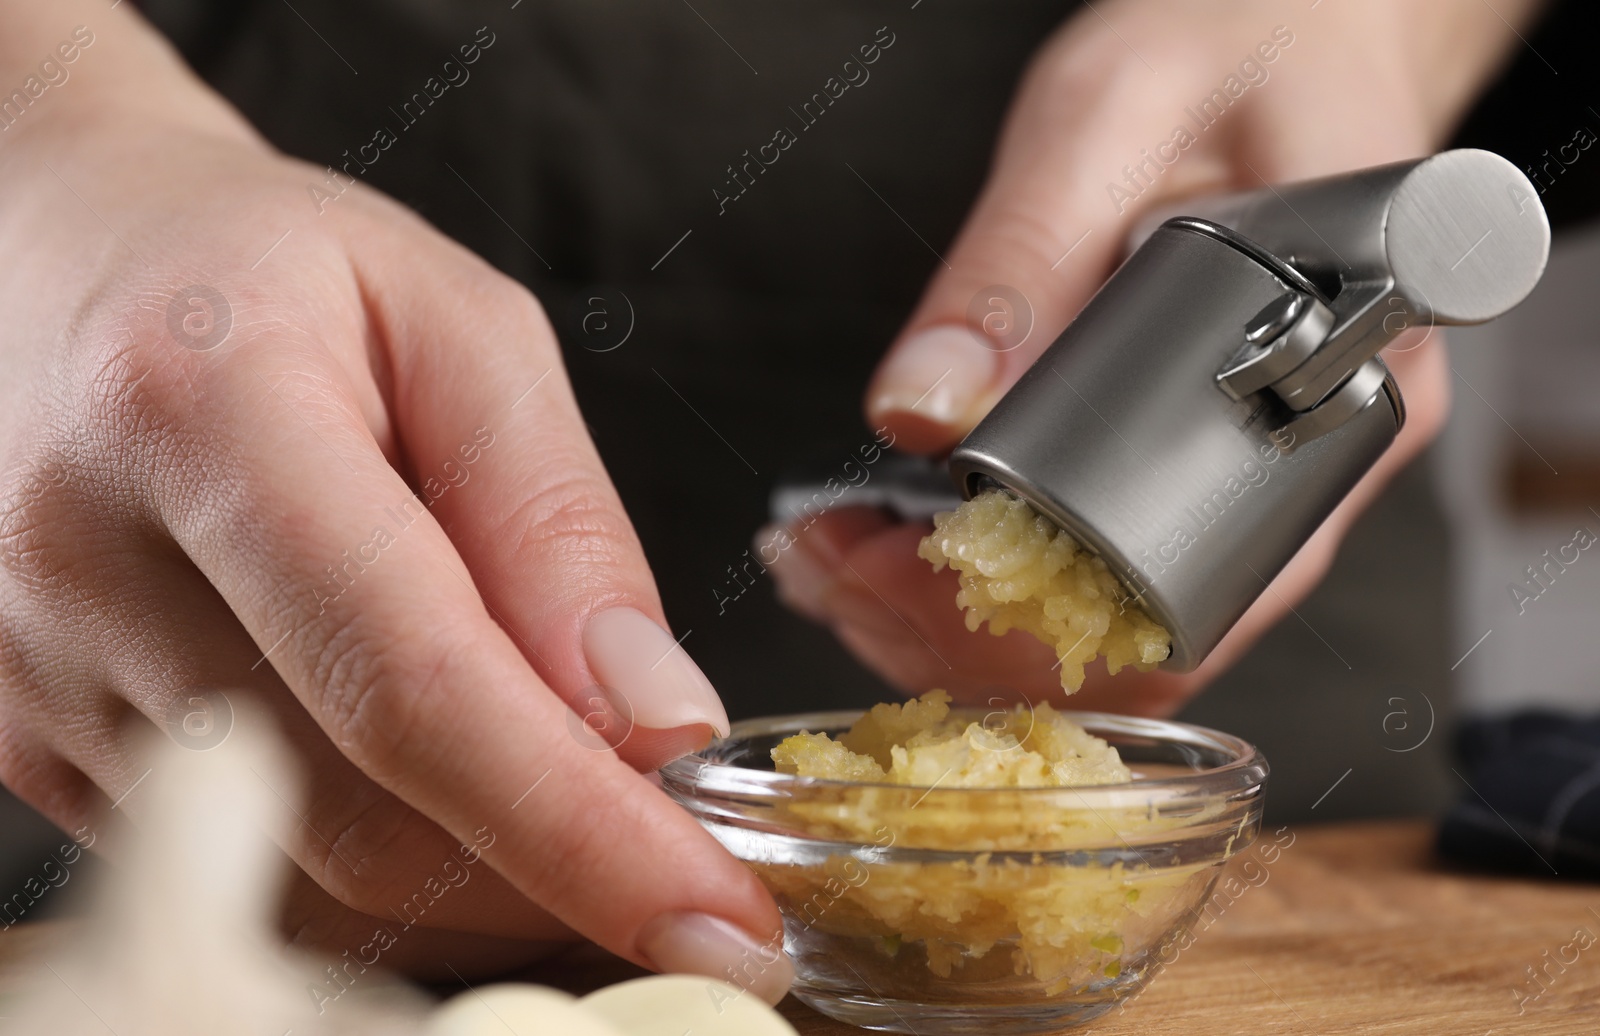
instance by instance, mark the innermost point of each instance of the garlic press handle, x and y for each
(1456, 238)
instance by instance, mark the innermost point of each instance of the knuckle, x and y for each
(135, 386)
(1070, 63)
(100, 433)
(41, 778)
(359, 859)
(374, 691)
(20, 772)
(1018, 239)
(496, 305)
(514, 300)
(30, 508)
(522, 304)
(19, 686)
(150, 390)
(574, 521)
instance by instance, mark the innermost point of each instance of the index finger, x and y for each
(359, 601)
(1093, 141)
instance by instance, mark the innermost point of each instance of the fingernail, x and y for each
(630, 654)
(700, 944)
(940, 374)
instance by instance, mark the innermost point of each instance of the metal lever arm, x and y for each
(1457, 238)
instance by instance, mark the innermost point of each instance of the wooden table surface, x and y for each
(1355, 929)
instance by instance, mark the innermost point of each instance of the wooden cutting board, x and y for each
(1354, 929)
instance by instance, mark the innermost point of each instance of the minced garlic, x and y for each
(1019, 570)
(920, 743)
(1008, 896)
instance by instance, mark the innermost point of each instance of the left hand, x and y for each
(1358, 83)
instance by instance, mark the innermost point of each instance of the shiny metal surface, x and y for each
(1120, 434)
(1275, 349)
(1361, 390)
(1455, 238)
(1222, 392)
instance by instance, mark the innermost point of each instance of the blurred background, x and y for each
(769, 318)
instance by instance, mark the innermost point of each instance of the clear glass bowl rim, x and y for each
(1242, 775)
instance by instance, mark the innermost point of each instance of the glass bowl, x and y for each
(980, 910)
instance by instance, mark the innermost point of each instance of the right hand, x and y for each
(180, 501)
(1365, 82)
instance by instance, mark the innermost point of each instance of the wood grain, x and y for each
(1355, 929)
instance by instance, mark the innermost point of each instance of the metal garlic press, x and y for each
(1223, 391)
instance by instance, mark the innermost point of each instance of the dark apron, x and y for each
(603, 133)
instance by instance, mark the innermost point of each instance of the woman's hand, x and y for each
(1325, 88)
(307, 450)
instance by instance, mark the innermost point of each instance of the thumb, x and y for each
(503, 460)
(499, 449)
(1046, 230)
